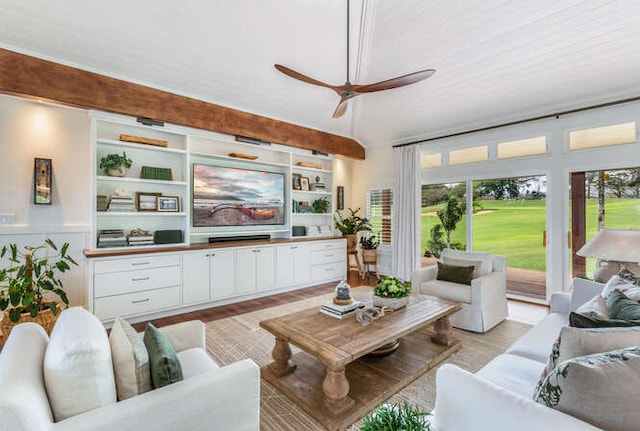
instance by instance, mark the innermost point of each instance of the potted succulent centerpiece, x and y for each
(350, 225)
(26, 287)
(391, 292)
(115, 165)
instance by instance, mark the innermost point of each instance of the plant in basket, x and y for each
(391, 292)
(30, 281)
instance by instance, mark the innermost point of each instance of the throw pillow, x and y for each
(579, 321)
(78, 373)
(486, 258)
(464, 262)
(579, 386)
(616, 283)
(130, 360)
(621, 307)
(595, 307)
(630, 276)
(455, 274)
(163, 360)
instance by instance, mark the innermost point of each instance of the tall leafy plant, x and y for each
(33, 273)
(449, 216)
(351, 224)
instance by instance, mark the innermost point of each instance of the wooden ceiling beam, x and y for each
(29, 76)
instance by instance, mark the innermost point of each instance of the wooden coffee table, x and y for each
(333, 380)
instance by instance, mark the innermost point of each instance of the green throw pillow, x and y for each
(621, 307)
(455, 274)
(577, 320)
(163, 360)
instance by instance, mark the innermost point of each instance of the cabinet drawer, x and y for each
(140, 262)
(328, 245)
(117, 283)
(328, 256)
(137, 303)
(329, 271)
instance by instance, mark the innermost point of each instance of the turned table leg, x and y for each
(442, 336)
(335, 387)
(282, 364)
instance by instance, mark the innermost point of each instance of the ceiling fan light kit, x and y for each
(347, 90)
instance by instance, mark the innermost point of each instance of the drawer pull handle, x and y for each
(329, 255)
(141, 279)
(140, 300)
(139, 263)
(328, 269)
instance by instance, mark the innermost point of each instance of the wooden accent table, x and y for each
(333, 380)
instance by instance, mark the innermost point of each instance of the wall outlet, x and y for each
(6, 218)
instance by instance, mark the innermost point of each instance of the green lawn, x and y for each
(515, 228)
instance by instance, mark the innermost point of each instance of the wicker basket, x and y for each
(45, 318)
(392, 303)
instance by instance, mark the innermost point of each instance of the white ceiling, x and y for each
(496, 60)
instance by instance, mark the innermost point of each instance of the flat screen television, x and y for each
(228, 196)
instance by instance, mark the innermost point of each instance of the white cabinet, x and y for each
(293, 264)
(255, 269)
(130, 286)
(208, 275)
(329, 260)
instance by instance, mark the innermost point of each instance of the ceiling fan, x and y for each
(348, 90)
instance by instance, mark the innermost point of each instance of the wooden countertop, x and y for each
(111, 252)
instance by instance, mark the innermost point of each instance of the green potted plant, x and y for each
(396, 417)
(350, 226)
(115, 165)
(369, 246)
(320, 206)
(32, 274)
(391, 292)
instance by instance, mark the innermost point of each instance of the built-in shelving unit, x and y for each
(188, 146)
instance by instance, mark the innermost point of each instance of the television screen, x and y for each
(226, 196)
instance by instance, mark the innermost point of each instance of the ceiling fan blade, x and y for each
(304, 78)
(400, 81)
(342, 107)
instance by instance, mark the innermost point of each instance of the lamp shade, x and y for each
(622, 245)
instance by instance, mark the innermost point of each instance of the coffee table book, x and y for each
(340, 311)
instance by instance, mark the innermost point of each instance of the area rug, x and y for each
(240, 337)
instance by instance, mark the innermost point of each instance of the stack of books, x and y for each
(140, 239)
(121, 204)
(111, 238)
(341, 311)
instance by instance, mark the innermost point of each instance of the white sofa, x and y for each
(499, 397)
(209, 397)
(484, 302)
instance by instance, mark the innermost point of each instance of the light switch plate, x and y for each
(6, 218)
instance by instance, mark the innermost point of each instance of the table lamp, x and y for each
(617, 247)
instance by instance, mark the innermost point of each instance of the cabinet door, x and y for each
(285, 265)
(195, 277)
(246, 270)
(265, 268)
(302, 265)
(223, 275)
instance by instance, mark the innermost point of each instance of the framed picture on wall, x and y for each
(340, 198)
(42, 181)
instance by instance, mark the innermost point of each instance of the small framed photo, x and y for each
(304, 183)
(340, 203)
(147, 201)
(42, 181)
(167, 203)
(295, 181)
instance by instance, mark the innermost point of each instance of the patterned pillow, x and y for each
(616, 283)
(595, 307)
(601, 389)
(629, 276)
(130, 360)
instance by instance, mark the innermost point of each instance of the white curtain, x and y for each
(406, 212)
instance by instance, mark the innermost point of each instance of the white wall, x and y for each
(30, 129)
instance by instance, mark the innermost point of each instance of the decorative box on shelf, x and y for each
(155, 173)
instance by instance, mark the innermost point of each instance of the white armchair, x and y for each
(484, 302)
